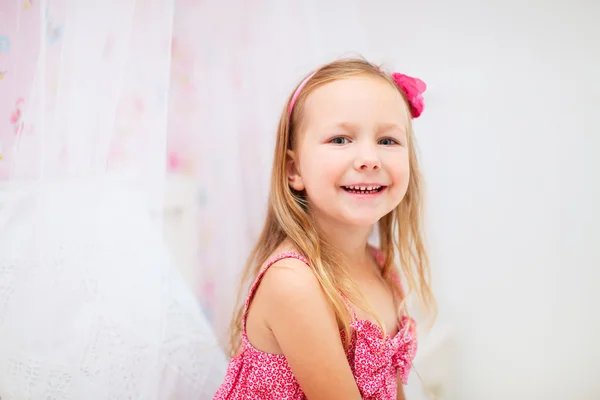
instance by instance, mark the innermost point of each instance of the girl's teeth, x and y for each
(363, 188)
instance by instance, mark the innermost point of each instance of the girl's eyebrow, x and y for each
(384, 127)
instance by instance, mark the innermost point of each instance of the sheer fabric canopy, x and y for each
(91, 304)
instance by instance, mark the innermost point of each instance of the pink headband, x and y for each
(297, 92)
(412, 88)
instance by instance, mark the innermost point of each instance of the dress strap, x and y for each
(380, 260)
(377, 256)
(278, 257)
(350, 306)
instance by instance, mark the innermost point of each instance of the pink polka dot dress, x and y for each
(375, 363)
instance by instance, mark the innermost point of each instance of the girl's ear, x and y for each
(293, 173)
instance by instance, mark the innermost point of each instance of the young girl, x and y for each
(325, 317)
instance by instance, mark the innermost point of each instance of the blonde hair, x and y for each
(288, 217)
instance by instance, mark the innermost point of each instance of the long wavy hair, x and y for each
(288, 217)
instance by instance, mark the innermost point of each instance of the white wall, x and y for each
(509, 145)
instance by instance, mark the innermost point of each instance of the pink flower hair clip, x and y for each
(413, 89)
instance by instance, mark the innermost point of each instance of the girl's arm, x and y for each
(304, 325)
(400, 393)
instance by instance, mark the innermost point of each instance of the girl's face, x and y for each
(351, 156)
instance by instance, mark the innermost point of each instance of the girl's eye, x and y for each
(388, 142)
(339, 140)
